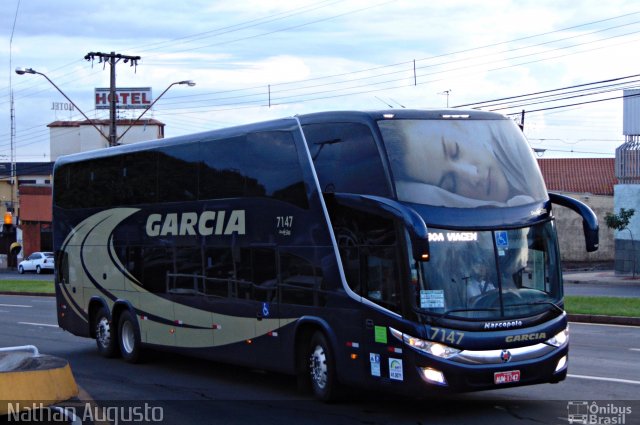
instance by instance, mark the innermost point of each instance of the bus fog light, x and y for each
(562, 363)
(433, 376)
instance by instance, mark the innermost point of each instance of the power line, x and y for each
(546, 91)
(578, 103)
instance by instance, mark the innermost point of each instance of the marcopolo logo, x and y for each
(503, 325)
(205, 223)
(596, 413)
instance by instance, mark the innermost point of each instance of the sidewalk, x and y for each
(601, 283)
(600, 277)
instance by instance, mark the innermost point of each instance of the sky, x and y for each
(255, 60)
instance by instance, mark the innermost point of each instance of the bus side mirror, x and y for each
(590, 225)
(420, 249)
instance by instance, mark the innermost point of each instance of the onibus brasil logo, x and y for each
(597, 413)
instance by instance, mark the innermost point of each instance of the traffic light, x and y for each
(8, 228)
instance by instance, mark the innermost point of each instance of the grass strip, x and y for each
(30, 286)
(605, 306)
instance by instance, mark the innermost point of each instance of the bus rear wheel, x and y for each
(129, 337)
(322, 368)
(104, 335)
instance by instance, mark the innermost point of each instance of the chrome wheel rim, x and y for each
(103, 332)
(128, 337)
(318, 367)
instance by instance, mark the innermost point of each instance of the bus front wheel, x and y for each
(129, 337)
(322, 368)
(104, 335)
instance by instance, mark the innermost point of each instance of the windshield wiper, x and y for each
(539, 302)
(447, 313)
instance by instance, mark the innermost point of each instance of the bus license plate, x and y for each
(506, 377)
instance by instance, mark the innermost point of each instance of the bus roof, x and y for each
(316, 117)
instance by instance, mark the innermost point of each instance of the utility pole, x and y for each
(112, 59)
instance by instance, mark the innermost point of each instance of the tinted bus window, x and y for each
(261, 164)
(63, 193)
(140, 170)
(369, 251)
(346, 158)
(178, 177)
(301, 282)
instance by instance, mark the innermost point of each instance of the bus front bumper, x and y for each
(471, 374)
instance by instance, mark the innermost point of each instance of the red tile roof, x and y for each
(579, 175)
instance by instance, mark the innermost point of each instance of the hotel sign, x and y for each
(126, 98)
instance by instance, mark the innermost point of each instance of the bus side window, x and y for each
(156, 264)
(300, 282)
(218, 272)
(230, 168)
(382, 280)
(346, 158)
(187, 276)
(178, 166)
(369, 252)
(140, 173)
(256, 274)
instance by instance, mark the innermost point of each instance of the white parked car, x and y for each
(37, 262)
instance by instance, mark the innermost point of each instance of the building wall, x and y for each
(36, 214)
(627, 248)
(35, 202)
(5, 196)
(73, 138)
(30, 238)
(570, 232)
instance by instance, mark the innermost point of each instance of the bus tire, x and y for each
(129, 337)
(105, 338)
(321, 368)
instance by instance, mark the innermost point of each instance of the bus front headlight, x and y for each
(428, 347)
(560, 339)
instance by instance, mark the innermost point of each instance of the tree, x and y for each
(620, 222)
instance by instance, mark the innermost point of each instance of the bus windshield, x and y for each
(489, 275)
(461, 163)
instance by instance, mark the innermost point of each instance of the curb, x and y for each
(604, 320)
(26, 294)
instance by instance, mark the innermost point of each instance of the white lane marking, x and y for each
(598, 378)
(634, 349)
(16, 305)
(37, 324)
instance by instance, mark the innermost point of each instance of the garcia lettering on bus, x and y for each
(191, 223)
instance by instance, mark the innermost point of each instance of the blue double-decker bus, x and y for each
(402, 250)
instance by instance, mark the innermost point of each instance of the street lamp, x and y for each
(22, 71)
(189, 83)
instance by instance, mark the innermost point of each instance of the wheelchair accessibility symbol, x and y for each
(502, 239)
(265, 310)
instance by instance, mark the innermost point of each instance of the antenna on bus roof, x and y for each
(389, 105)
(401, 105)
